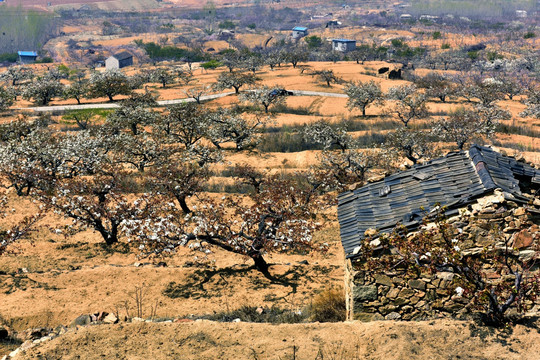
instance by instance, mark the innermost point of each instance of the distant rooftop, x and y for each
(122, 55)
(453, 181)
(344, 40)
(300, 28)
(27, 53)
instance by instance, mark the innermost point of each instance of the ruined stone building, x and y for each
(478, 188)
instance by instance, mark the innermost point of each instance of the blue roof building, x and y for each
(343, 45)
(299, 32)
(27, 57)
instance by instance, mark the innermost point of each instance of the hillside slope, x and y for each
(442, 339)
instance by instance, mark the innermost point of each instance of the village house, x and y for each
(299, 32)
(477, 188)
(343, 45)
(27, 57)
(118, 61)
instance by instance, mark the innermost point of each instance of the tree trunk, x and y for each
(183, 205)
(260, 263)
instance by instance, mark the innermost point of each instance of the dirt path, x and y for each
(168, 102)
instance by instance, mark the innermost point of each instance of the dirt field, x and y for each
(433, 340)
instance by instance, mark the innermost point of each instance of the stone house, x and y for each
(343, 45)
(478, 188)
(299, 32)
(118, 61)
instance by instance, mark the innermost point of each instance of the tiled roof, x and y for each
(122, 55)
(453, 181)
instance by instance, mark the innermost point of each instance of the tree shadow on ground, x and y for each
(208, 283)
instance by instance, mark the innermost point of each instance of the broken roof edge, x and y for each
(479, 164)
(449, 210)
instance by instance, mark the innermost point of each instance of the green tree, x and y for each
(313, 41)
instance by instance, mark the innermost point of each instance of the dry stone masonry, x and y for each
(376, 296)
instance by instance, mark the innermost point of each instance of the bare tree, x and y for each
(265, 96)
(460, 127)
(436, 85)
(234, 80)
(198, 92)
(533, 104)
(162, 76)
(361, 95)
(7, 97)
(43, 90)
(327, 76)
(109, 83)
(412, 144)
(409, 103)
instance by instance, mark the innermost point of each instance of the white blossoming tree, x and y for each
(362, 95)
(277, 216)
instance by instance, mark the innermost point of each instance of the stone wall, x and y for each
(377, 296)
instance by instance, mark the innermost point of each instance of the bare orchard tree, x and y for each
(533, 104)
(296, 54)
(15, 75)
(327, 76)
(341, 163)
(414, 145)
(109, 83)
(265, 96)
(436, 85)
(361, 95)
(184, 75)
(279, 217)
(234, 80)
(243, 131)
(7, 97)
(43, 90)
(163, 76)
(337, 170)
(18, 231)
(460, 126)
(409, 103)
(488, 91)
(197, 92)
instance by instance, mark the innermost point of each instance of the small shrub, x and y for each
(254, 314)
(436, 35)
(529, 35)
(445, 46)
(227, 24)
(9, 57)
(329, 306)
(45, 60)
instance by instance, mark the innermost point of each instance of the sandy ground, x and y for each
(441, 339)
